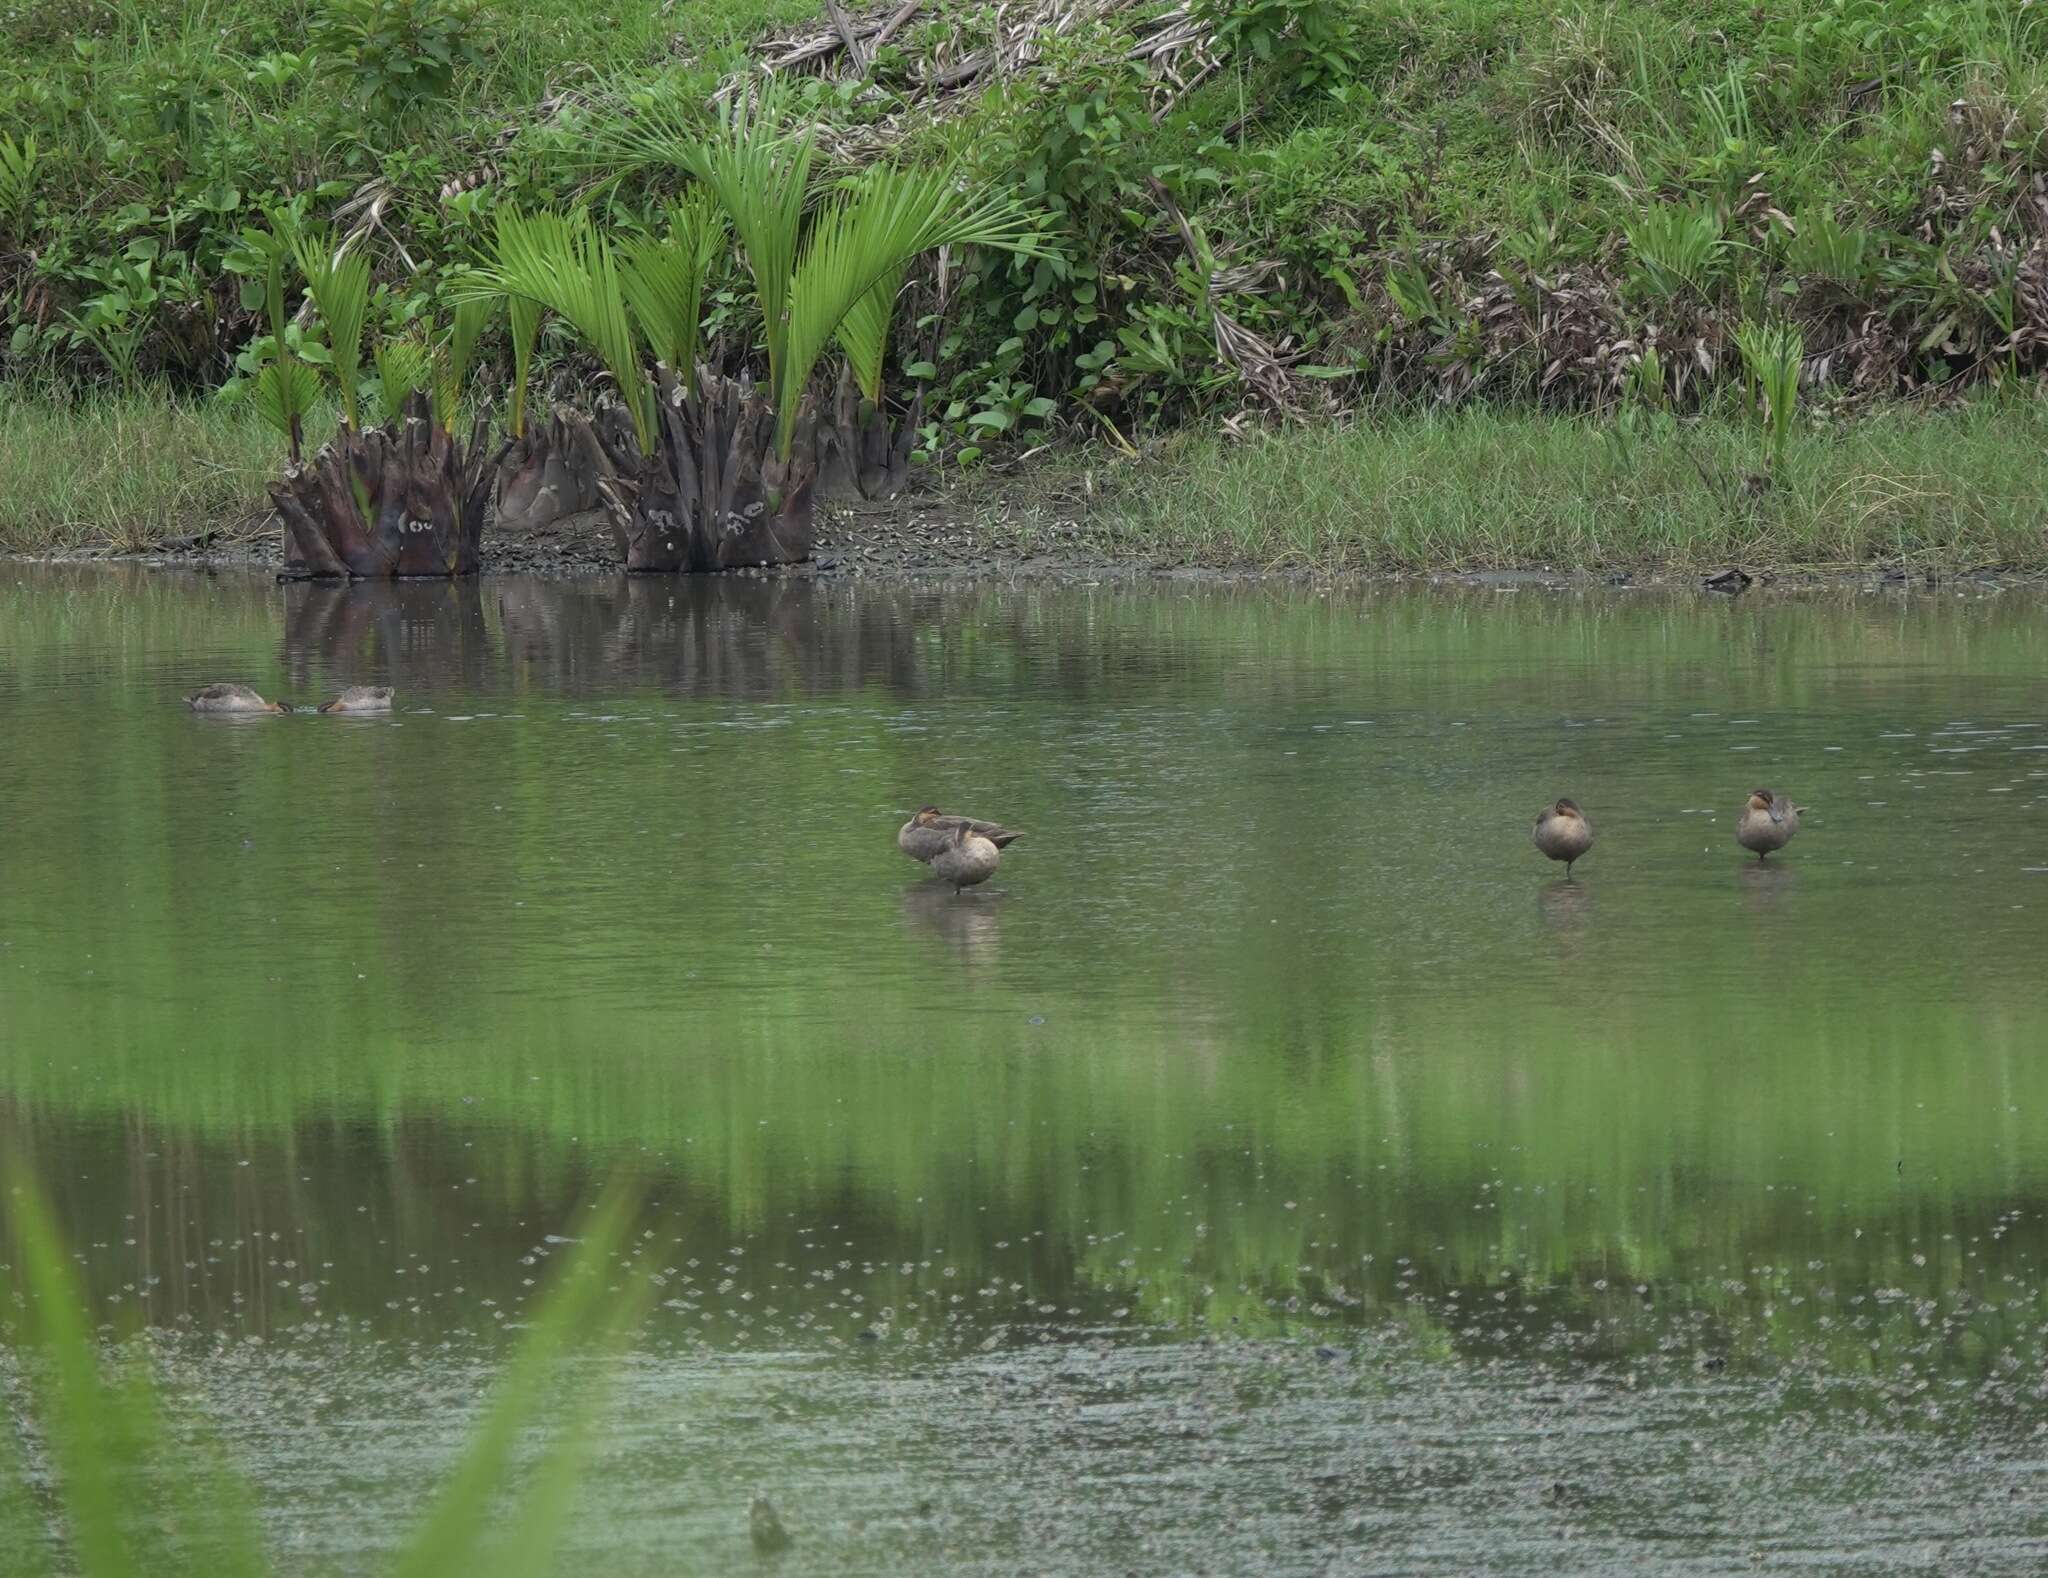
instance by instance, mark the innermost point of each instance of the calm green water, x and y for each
(1277, 1167)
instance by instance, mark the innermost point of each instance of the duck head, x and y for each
(1568, 808)
(1763, 800)
(926, 815)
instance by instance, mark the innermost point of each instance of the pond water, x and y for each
(1277, 1167)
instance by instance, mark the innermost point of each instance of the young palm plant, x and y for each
(404, 498)
(702, 471)
(1773, 354)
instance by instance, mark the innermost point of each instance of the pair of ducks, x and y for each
(240, 698)
(959, 849)
(1767, 823)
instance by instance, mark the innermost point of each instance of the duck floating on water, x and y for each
(231, 698)
(1563, 833)
(1768, 822)
(928, 834)
(360, 698)
(969, 858)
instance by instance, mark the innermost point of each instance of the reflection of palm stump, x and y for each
(404, 499)
(416, 634)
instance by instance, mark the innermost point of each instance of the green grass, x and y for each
(129, 471)
(1496, 203)
(1481, 488)
(1420, 490)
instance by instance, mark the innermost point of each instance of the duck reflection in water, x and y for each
(974, 930)
(1764, 884)
(1564, 904)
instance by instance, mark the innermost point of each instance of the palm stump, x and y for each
(714, 495)
(404, 499)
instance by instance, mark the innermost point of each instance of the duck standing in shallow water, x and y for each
(928, 834)
(1768, 822)
(231, 698)
(1563, 833)
(360, 698)
(968, 858)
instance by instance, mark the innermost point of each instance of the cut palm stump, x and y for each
(548, 476)
(714, 495)
(404, 499)
(858, 456)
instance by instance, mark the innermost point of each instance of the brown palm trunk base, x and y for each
(402, 499)
(714, 495)
(548, 477)
(858, 457)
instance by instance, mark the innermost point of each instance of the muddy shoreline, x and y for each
(935, 537)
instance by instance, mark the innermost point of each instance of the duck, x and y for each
(1563, 833)
(1768, 822)
(231, 698)
(360, 698)
(930, 832)
(968, 858)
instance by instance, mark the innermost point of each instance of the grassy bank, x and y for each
(129, 472)
(1480, 488)
(1421, 489)
(1509, 201)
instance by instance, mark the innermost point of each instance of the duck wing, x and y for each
(994, 832)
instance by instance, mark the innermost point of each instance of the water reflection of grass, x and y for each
(432, 950)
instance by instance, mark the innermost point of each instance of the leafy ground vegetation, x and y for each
(1626, 224)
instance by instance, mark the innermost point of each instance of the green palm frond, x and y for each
(285, 391)
(275, 246)
(525, 314)
(560, 262)
(454, 357)
(338, 280)
(864, 332)
(664, 279)
(760, 172)
(859, 246)
(403, 367)
(656, 130)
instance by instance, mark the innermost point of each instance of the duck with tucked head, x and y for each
(1768, 822)
(1563, 833)
(928, 834)
(968, 858)
(360, 698)
(231, 698)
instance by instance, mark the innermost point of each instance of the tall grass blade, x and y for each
(108, 1444)
(455, 1529)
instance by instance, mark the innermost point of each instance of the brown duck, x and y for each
(1563, 833)
(360, 698)
(1768, 822)
(929, 833)
(231, 698)
(968, 858)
